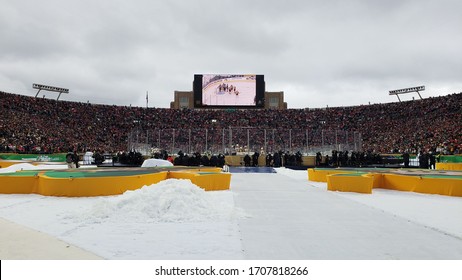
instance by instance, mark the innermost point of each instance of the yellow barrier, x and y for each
(351, 181)
(448, 166)
(377, 180)
(209, 181)
(67, 185)
(76, 187)
(421, 184)
(18, 184)
(359, 184)
(320, 175)
(399, 182)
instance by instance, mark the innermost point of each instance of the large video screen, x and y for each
(228, 90)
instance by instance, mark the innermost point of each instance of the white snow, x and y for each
(28, 166)
(263, 216)
(153, 162)
(170, 201)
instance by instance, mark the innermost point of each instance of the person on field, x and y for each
(72, 159)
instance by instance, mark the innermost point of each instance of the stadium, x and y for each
(428, 125)
(231, 134)
(259, 180)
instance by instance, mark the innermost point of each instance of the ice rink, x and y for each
(243, 94)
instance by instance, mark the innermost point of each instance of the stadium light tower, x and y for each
(397, 92)
(50, 88)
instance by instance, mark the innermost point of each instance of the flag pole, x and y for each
(147, 99)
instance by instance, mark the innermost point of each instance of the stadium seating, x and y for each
(29, 124)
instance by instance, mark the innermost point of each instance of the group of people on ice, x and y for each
(222, 88)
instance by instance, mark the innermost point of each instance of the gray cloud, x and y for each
(318, 52)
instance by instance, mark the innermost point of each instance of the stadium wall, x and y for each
(185, 100)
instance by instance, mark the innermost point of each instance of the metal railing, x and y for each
(243, 140)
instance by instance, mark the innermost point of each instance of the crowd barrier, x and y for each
(364, 180)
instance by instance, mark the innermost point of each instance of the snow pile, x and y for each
(17, 167)
(295, 174)
(28, 166)
(153, 162)
(170, 201)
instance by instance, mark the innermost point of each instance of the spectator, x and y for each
(247, 160)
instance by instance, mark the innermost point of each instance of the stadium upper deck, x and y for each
(28, 124)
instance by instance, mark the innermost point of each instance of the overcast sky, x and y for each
(335, 53)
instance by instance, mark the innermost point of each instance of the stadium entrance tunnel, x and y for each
(102, 182)
(363, 180)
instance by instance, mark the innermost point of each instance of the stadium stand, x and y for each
(29, 124)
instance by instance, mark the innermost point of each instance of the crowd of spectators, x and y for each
(29, 124)
(131, 158)
(196, 159)
(345, 159)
